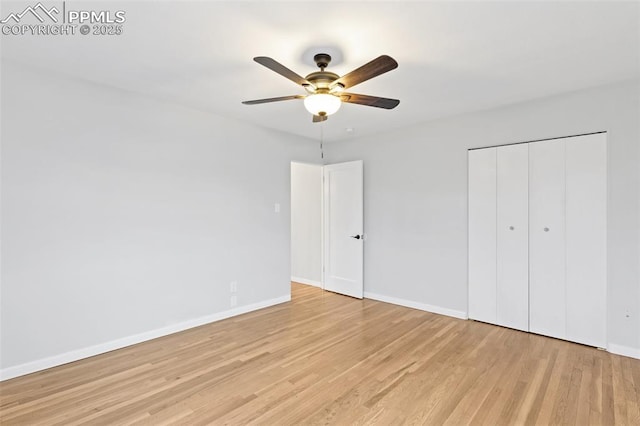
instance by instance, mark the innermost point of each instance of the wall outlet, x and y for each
(233, 286)
(233, 301)
(276, 208)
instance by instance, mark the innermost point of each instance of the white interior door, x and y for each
(512, 209)
(586, 235)
(547, 295)
(482, 235)
(343, 228)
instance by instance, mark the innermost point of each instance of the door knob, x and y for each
(511, 228)
(357, 237)
(546, 229)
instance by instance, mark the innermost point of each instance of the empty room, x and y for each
(340, 212)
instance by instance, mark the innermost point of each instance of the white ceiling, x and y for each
(454, 57)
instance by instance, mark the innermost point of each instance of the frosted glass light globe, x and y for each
(322, 104)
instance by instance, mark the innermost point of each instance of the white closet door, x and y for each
(547, 298)
(512, 289)
(482, 234)
(586, 237)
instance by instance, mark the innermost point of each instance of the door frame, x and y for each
(322, 220)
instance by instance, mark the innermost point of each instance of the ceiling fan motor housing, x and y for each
(321, 80)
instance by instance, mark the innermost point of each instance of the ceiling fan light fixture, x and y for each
(322, 104)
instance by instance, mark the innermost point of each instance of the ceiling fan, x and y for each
(325, 90)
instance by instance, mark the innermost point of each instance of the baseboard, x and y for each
(56, 360)
(624, 350)
(417, 305)
(306, 281)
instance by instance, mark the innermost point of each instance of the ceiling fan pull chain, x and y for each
(321, 141)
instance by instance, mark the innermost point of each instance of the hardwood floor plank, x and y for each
(329, 359)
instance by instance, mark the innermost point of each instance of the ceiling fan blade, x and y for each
(276, 66)
(319, 118)
(367, 100)
(378, 66)
(264, 101)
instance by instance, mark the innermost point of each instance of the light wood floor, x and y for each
(330, 359)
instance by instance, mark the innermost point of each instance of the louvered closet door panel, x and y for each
(547, 299)
(586, 236)
(512, 288)
(482, 235)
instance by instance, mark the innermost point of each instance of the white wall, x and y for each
(306, 223)
(125, 217)
(416, 198)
